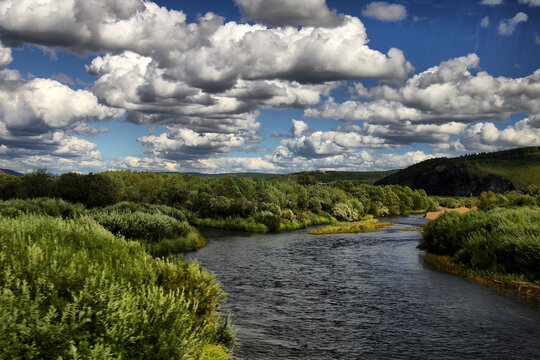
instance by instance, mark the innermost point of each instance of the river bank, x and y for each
(498, 248)
(526, 291)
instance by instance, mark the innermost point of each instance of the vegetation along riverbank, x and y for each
(232, 203)
(72, 289)
(367, 225)
(497, 247)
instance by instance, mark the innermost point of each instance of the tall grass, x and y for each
(240, 224)
(368, 225)
(71, 289)
(504, 241)
(141, 225)
(41, 206)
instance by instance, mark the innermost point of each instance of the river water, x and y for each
(360, 296)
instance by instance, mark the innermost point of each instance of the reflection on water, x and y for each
(352, 296)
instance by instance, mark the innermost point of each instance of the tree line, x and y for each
(276, 205)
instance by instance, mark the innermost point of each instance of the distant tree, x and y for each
(38, 183)
(305, 179)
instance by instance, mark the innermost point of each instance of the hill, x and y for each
(10, 172)
(318, 176)
(500, 172)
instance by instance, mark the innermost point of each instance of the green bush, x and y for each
(505, 241)
(130, 207)
(70, 289)
(44, 206)
(142, 225)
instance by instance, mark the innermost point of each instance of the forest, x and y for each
(229, 202)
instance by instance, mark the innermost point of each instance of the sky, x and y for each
(264, 85)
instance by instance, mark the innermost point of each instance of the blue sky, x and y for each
(264, 85)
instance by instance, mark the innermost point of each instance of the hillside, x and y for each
(319, 176)
(10, 172)
(499, 172)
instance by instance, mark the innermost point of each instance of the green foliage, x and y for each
(305, 179)
(248, 225)
(41, 206)
(141, 225)
(448, 202)
(342, 211)
(37, 184)
(70, 289)
(229, 202)
(505, 241)
(367, 225)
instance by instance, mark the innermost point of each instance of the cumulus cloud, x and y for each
(56, 151)
(356, 161)
(508, 26)
(290, 13)
(182, 144)
(492, 2)
(383, 11)
(445, 93)
(38, 105)
(5, 56)
(209, 54)
(209, 166)
(39, 121)
(308, 143)
(485, 136)
(531, 3)
(208, 78)
(484, 22)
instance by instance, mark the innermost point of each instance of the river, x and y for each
(360, 296)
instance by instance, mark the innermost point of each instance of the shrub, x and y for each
(142, 225)
(341, 211)
(503, 241)
(45, 206)
(70, 289)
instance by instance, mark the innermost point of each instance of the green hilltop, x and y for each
(500, 172)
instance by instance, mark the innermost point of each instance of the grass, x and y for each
(239, 224)
(368, 225)
(520, 171)
(412, 229)
(191, 241)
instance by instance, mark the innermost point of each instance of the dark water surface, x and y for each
(361, 296)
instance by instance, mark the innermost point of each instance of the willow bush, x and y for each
(71, 289)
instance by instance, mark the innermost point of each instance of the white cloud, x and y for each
(508, 26)
(56, 151)
(531, 3)
(181, 144)
(210, 166)
(486, 137)
(383, 11)
(290, 13)
(38, 105)
(484, 22)
(209, 54)
(492, 2)
(356, 161)
(5, 56)
(445, 93)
